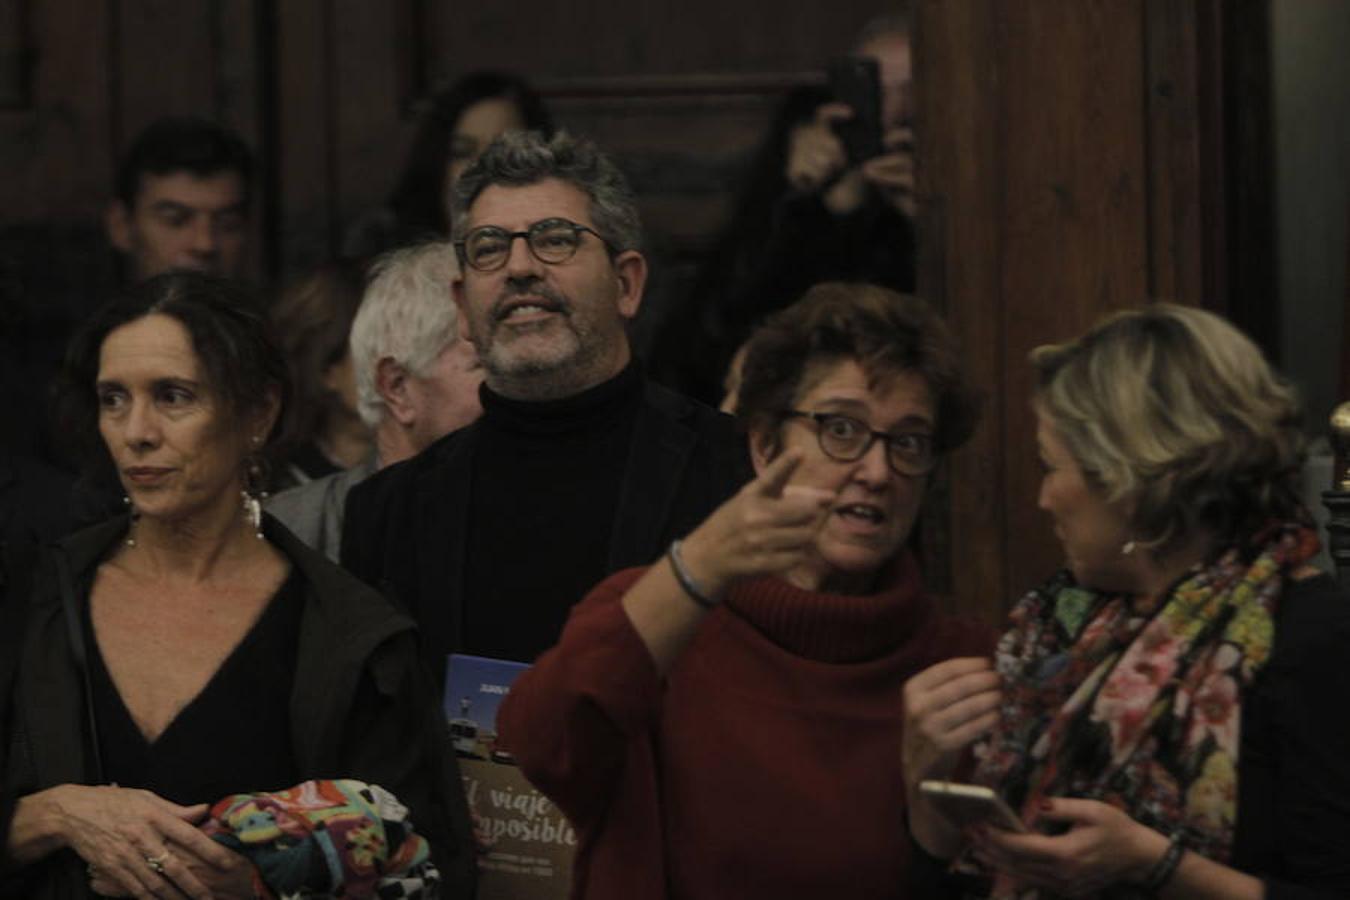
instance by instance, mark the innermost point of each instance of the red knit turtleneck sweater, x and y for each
(765, 765)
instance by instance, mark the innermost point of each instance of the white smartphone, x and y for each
(971, 804)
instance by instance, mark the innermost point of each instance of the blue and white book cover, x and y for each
(526, 844)
(474, 688)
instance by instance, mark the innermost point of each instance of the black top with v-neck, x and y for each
(232, 737)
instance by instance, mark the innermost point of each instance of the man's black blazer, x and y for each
(405, 528)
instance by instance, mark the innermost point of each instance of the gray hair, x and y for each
(407, 314)
(520, 158)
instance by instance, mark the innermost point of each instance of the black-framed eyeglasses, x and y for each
(846, 439)
(553, 241)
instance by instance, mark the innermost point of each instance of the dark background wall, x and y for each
(1310, 75)
(327, 92)
(1075, 157)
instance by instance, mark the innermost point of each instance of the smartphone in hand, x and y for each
(971, 804)
(856, 81)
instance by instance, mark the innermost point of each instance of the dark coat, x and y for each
(35, 500)
(360, 708)
(406, 527)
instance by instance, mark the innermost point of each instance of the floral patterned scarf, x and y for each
(1136, 701)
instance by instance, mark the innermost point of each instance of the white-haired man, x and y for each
(416, 380)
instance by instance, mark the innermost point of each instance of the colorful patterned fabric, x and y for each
(1136, 701)
(340, 838)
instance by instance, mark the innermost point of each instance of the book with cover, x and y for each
(528, 844)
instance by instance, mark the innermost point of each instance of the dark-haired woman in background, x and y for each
(193, 648)
(727, 722)
(1169, 712)
(455, 129)
(321, 432)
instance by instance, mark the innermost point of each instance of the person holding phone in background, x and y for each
(861, 141)
(830, 197)
(1167, 714)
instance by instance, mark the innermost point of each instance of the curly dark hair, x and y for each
(527, 157)
(886, 332)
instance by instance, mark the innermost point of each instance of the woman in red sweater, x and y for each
(727, 722)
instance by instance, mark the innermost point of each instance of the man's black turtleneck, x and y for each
(542, 508)
(492, 534)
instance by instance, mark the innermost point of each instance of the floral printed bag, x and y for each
(339, 838)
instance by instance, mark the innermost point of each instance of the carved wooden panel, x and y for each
(1065, 152)
(960, 147)
(94, 73)
(606, 38)
(54, 151)
(680, 93)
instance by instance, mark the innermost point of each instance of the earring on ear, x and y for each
(1128, 548)
(135, 515)
(253, 494)
(253, 512)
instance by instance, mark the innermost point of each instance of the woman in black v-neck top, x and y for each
(211, 747)
(195, 649)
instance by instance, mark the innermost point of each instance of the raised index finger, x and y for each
(776, 475)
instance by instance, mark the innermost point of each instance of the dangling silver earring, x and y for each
(135, 515)
(1127, 548)
(253, 494)
(253, 512)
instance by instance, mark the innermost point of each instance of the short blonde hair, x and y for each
(1176, 415)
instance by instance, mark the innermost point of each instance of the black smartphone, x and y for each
(855, 80)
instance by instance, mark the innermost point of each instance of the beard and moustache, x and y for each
(550, 358)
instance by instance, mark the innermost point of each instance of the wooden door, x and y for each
(1075, 158)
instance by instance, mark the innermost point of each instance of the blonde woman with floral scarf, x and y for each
(1168, 715)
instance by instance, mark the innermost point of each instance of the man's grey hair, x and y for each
(520, 158)
(406, 314)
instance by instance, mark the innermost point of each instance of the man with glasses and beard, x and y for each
(579, 466)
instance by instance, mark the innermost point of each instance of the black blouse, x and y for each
(232, 737)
